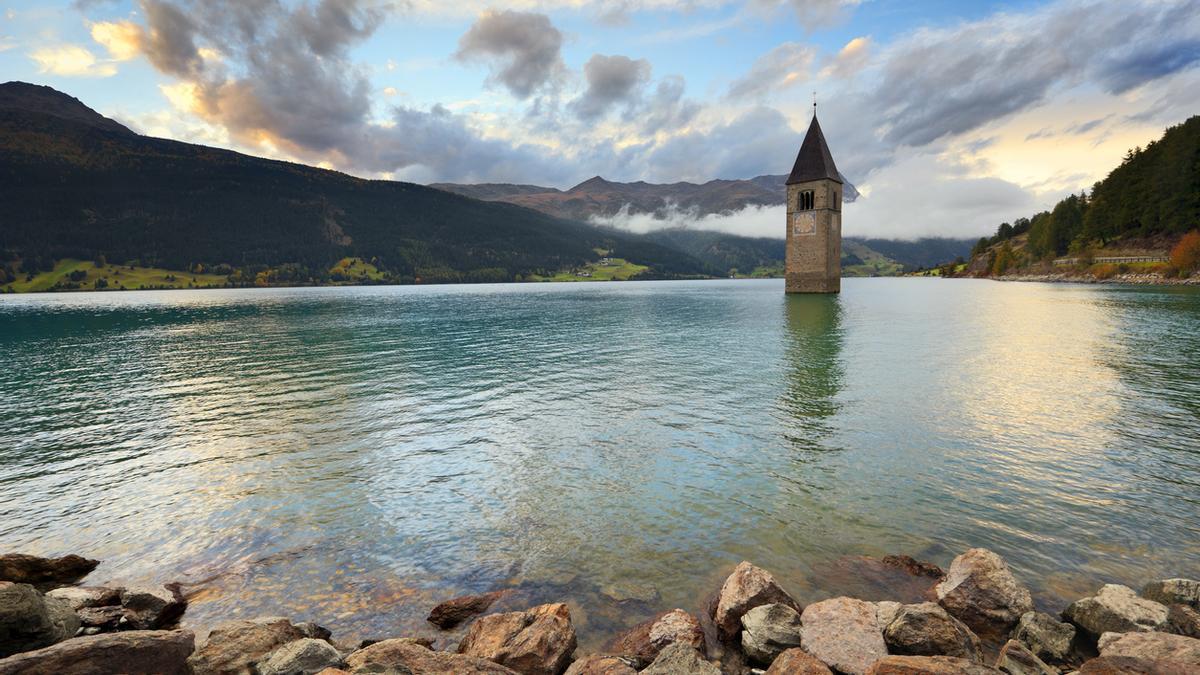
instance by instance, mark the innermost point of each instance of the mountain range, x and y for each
(77, 185)
(600, 198)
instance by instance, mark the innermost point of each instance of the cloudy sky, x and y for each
(949, 115)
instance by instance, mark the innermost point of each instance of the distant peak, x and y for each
(593, 182)
(37, 98)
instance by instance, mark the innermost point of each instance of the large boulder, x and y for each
(83, 597)
(843, 633)
(152, 607)
(1128, 665)
(928, 630)
(1116, 609)
(643, 642)
(237, 647)
(305, 656)
(1016, 659)
(1048, 638)
(681, 659)
(1183, 620)
(1157, 646)
(798, 662)
(30, 620)
(452, 612)
(746, 588)
(406, 656)
(768, 631)
(1173, 591)
(130, 653)
(982, 592)
(929, 665)
(44, 573)
(602, 664)
(538, 641)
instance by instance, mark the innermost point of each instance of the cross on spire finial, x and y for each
(814, 104)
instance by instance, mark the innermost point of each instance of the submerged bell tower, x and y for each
(814, 218)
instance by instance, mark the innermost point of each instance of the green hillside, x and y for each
(75, 185)
(1141, 208)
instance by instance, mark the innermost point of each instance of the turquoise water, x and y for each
(354, 455)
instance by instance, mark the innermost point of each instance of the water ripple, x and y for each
(353, 455)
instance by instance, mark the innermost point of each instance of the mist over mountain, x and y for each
(600, 199)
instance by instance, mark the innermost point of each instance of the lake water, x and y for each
(355, 455)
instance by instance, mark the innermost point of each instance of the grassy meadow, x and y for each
(72, 274)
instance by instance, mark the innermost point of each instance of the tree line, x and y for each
(1154, 191)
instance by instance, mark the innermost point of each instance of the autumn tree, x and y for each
(1185, 257)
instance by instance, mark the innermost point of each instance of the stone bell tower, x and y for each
(814, 218)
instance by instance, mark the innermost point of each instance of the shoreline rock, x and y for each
(843, 633)
(537, 641)
(1048, 638)
(745, 588)
(1113, 631)
(131, 652)
(453, 612)
(1116, 609)
(45, 573)
(643, 643)
(983, 593)
(928, 630)
(30, 620)
(768, 631)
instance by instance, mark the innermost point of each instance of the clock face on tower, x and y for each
(803, 224)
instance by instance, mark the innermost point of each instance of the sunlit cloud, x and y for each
(122, 39)
(850, 60)
(71, 61)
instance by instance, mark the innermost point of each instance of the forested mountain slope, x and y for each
(74, 184)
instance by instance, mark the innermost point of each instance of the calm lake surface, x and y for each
(354, 455)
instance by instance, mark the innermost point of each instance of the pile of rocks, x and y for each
(978, 619)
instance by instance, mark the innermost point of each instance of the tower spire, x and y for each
(814, 161)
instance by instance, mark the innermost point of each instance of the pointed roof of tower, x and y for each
(814, 162)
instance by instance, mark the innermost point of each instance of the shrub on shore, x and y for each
(1104, 270)
(1185, 257)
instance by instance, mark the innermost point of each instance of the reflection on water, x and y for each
(813, 368)
(354, 456)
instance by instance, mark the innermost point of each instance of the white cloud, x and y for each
(923, 195)
(784, 66)
(71, 61)
(752, 221)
